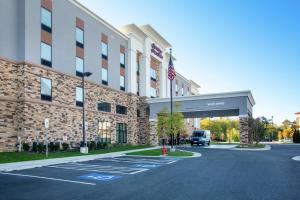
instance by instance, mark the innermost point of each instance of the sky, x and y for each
(226, 45)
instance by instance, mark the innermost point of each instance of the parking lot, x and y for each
(218, 174)
(91, 172)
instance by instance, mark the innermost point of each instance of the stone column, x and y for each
(244, 129)
(153, 138)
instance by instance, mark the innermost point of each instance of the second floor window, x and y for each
(122, 59)
(182, 90)
(46, 89)
(104, 50)
(122, 83)
(176, 87)
(153, 74)
(79, 96)
(46, 19)
(104, 106)
(104, 75)
(79, 37)
(46, 54)
(79, 66)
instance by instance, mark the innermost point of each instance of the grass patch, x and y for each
(8, 157)
(251, 146)
(158, 152)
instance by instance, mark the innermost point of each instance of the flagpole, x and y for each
(171, 94)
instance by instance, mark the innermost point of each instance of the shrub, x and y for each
(296, 137)
(34, 146)
(56, 146)
(41, 147)
(92, 145)
(51, 146)
(65, 146)
(26, 147)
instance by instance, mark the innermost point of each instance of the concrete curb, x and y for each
(45, 162)
(296, 158)
(266, 148)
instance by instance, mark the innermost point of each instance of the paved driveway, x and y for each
(218, 174)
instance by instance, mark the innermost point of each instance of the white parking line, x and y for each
(99, 168)
(48, 178)
(133, 160)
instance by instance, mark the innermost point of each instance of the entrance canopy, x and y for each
(207, 105)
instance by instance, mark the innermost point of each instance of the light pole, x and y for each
(84, 148)
(272, 128)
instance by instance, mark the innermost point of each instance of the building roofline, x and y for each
(243, 93)
(98, 18)
(195, 84)
(155, 34)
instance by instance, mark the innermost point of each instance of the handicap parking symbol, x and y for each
(145, 165)
(99, 177)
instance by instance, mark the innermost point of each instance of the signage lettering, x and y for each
(156, 50)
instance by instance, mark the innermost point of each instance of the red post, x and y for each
(164, 151)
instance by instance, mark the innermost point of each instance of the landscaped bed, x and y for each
(8, 157)
(251, 146)
(158, 152)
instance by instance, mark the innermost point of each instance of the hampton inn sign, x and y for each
(156, 50)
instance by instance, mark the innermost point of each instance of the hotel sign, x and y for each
(156, 51)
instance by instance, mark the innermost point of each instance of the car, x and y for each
(200, 137)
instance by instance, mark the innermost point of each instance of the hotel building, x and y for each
(45, 47)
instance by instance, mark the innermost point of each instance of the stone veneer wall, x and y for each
(22, 112)
(244, 130)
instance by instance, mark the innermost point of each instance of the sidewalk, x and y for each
(40, 163)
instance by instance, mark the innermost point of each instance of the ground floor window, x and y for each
(104, 132)
(121, 133)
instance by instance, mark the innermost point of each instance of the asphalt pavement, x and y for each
(217, 174)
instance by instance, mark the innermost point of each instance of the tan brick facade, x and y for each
(23, 112)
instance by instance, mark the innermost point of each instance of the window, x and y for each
(152, 92)
(182, 90)
(138, 67)
(153, 74)
(104, 76)
(122, 59)
(121, 133)
(104, 132)
(138, 113)
(79, 37)
(188, 92)
(122, 83)
(79, 96)
(104, 106)
(104, 50)
(46, 89)
(46, 19)
(46, 54)
(79, 66)
(121, 110)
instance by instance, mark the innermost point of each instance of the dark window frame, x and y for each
(79, 103)
(79, 44)
(103, 56)
(121, 131)
(121, 64)
(44, 26)
(122, 110)
(78, 73)
(44, 61)
(45, 97)
(104, 106)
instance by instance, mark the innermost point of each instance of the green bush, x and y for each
(56, 146)
(34, 146)
(26, 146)
(296, 138)
(92, 145)
(41, 147)
(65, 146)
(51, 147)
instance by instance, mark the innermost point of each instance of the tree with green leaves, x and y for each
(165, 121)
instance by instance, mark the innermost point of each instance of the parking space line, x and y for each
(99, 168)
(129, 160)
(48, 178)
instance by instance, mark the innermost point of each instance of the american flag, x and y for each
(171, 70)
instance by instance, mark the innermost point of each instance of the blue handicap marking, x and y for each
(146, 165)
(99, 177)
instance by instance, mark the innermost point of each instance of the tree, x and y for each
(168, 125)
(257, 129)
